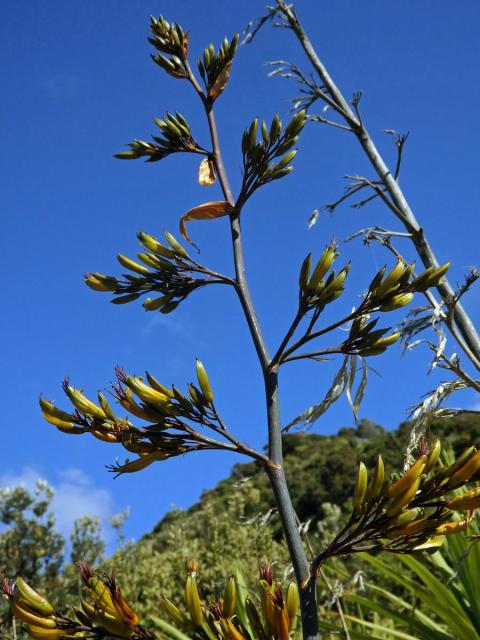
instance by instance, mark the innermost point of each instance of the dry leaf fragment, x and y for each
(337, 387)
(206, 173)
(206, 211)
(220, 82)
(185, 45)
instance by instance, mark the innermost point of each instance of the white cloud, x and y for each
(26, 478)
(75, 495)
(174, 324)
(61, 85)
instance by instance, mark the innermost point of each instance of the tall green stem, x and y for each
(275, 467)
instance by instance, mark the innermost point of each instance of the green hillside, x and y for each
(236, 523)
(321, 469)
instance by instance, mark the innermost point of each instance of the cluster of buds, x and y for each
(364, 340)
(172, 40)
(215, 66)
(396, 289)
(279, 609)
(387, 292)
(316, 291)
(176, 137)
(35, 612)
(412, 512)
(168, 412)
(274, 617)
(167, 270)
(261, 158)
(105, 606)
(104, 613)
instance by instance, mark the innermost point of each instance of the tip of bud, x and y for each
(7, 587)
(85, 572)
(265, 571)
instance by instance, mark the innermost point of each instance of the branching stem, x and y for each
(274, 467)
(313, 354)
(397, 200)
(308, 336)
(293, 327)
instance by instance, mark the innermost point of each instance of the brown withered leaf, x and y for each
(206, 173)
(206, 211)
(185, 45)
(220, 82)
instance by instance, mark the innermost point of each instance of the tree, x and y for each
(400, 515)
(29, 544)
(86, 540)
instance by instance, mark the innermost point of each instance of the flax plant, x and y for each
(154, 421)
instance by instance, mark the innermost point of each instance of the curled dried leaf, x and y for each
(220, 82)
(206, 173)
(206, 211)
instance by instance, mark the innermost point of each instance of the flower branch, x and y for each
(169, 413)
(412, 512)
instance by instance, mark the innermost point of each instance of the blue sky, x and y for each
(77, 85)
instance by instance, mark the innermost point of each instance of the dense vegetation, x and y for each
(233, 525)
(319, 469)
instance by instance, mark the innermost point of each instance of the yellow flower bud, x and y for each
(204, 382)
(378, 479)
(454, 527)
(466, 502)
(360, 488)
(433, 455)
(230, 598)
(403, 483)
(403, 499)
(292, 601)
(467, 471)
(193, 602)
